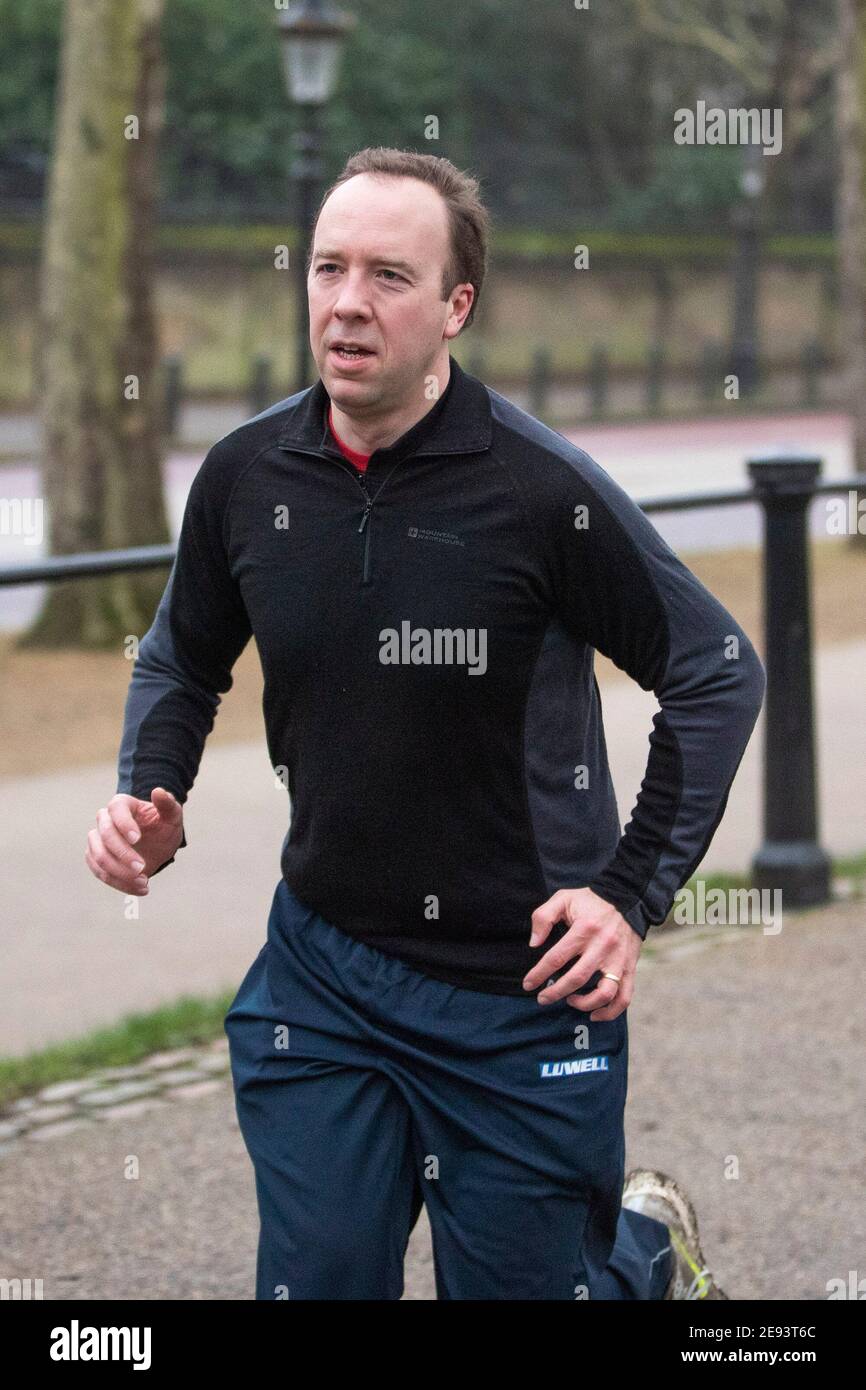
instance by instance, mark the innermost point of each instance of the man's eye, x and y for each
(331, 265)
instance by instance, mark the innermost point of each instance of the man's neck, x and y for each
(365, 436)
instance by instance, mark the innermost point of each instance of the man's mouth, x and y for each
(351, 354)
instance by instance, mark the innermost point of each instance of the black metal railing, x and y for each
(652, 385)
(783, 485)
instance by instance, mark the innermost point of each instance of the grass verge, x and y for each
(186, 1022)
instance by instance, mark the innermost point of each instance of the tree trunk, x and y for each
(851, 220)
(98, 357)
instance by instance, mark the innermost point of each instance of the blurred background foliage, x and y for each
(564, 115)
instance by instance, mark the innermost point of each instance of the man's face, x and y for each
(379, 251)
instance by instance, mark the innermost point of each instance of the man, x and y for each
(427, 571)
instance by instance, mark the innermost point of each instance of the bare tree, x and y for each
(769, 45)
(97, 355)
(777, 50)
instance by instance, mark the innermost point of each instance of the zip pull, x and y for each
(367, 508)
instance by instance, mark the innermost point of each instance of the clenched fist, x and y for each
(133, 838)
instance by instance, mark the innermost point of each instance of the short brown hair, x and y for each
(468, 218)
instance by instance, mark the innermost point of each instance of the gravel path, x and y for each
(746, 1054)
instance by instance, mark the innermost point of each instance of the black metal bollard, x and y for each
(711, 373)
(790, 857)
(173, 394)
(260, 385)
(598, 382)
(539, 383)
(744, 365)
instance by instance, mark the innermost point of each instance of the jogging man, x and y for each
(439, 1012)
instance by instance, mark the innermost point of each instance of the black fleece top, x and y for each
(427, 633)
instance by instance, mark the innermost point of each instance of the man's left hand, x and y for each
(599, 938)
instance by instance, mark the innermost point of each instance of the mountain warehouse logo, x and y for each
(571, 1068)
(439, 646)
(424, 533)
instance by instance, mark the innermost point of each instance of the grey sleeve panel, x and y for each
(622, 590)
(186, 657)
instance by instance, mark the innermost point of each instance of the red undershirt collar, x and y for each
(359, 460)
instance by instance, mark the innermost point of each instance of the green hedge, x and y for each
(250, 242)
(644, 247)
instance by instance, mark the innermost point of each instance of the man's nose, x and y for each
(352, 299)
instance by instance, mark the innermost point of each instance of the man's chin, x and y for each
(350, 384)
(337, 384)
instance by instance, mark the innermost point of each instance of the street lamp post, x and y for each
(746, 220)
(312, 33)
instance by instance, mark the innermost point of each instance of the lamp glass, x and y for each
(311, 68)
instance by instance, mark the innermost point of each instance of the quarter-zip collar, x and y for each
(459, 423)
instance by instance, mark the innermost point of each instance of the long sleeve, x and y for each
(623, 591)
(186, 657)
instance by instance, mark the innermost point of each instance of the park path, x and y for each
(745, 1058)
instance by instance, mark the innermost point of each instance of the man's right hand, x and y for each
(131, 832)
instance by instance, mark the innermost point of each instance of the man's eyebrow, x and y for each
(371, 260)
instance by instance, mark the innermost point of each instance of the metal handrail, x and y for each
(143, 557)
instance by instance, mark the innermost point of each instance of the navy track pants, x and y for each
(364, 1088)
